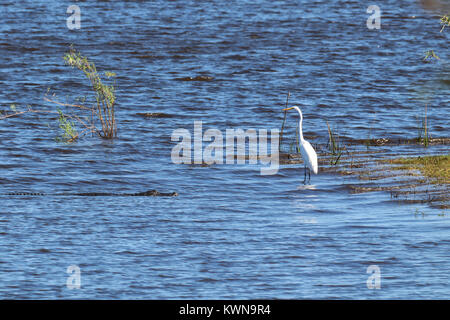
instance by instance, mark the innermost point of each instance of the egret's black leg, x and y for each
(304, 180)
(309, 175)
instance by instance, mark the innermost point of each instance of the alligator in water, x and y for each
(149, 193)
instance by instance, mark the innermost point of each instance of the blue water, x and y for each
(231, 232)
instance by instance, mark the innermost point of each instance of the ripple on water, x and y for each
(231, 233)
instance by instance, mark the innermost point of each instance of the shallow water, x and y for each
(231, 232)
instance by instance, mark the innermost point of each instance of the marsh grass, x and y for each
(445, 21)
(423, 136)
(437, 168)
(334, 146)
(369, 141)
(284, 120)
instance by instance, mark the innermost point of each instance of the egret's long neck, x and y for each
(300, 125)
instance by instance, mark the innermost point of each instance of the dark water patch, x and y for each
(196, 78)
(43, 250)
(236, 57)
(126, 252)
(392, 141)
(209, 280)
(154, 115)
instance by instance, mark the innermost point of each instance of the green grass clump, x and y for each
(334, 146)
(68, 128)
(445, 21)
(430, 54)
(423, 136)
(436, 168)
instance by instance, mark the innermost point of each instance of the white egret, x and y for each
(309, 155)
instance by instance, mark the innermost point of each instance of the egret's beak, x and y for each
(286, 109)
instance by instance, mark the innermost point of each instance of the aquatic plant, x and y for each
(437, 168)
(334, 146)
(430, 55)
(104, 94)
(423, 134)
(284, 120)
(87, 117)
(445, 21)
(68, 127)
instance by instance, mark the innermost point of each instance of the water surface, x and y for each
(231, 232)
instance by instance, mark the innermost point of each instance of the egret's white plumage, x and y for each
(308, 153)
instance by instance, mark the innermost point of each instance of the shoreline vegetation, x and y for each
(435, 168)
(408, 178)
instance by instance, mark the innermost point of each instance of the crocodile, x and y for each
(149, 193)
